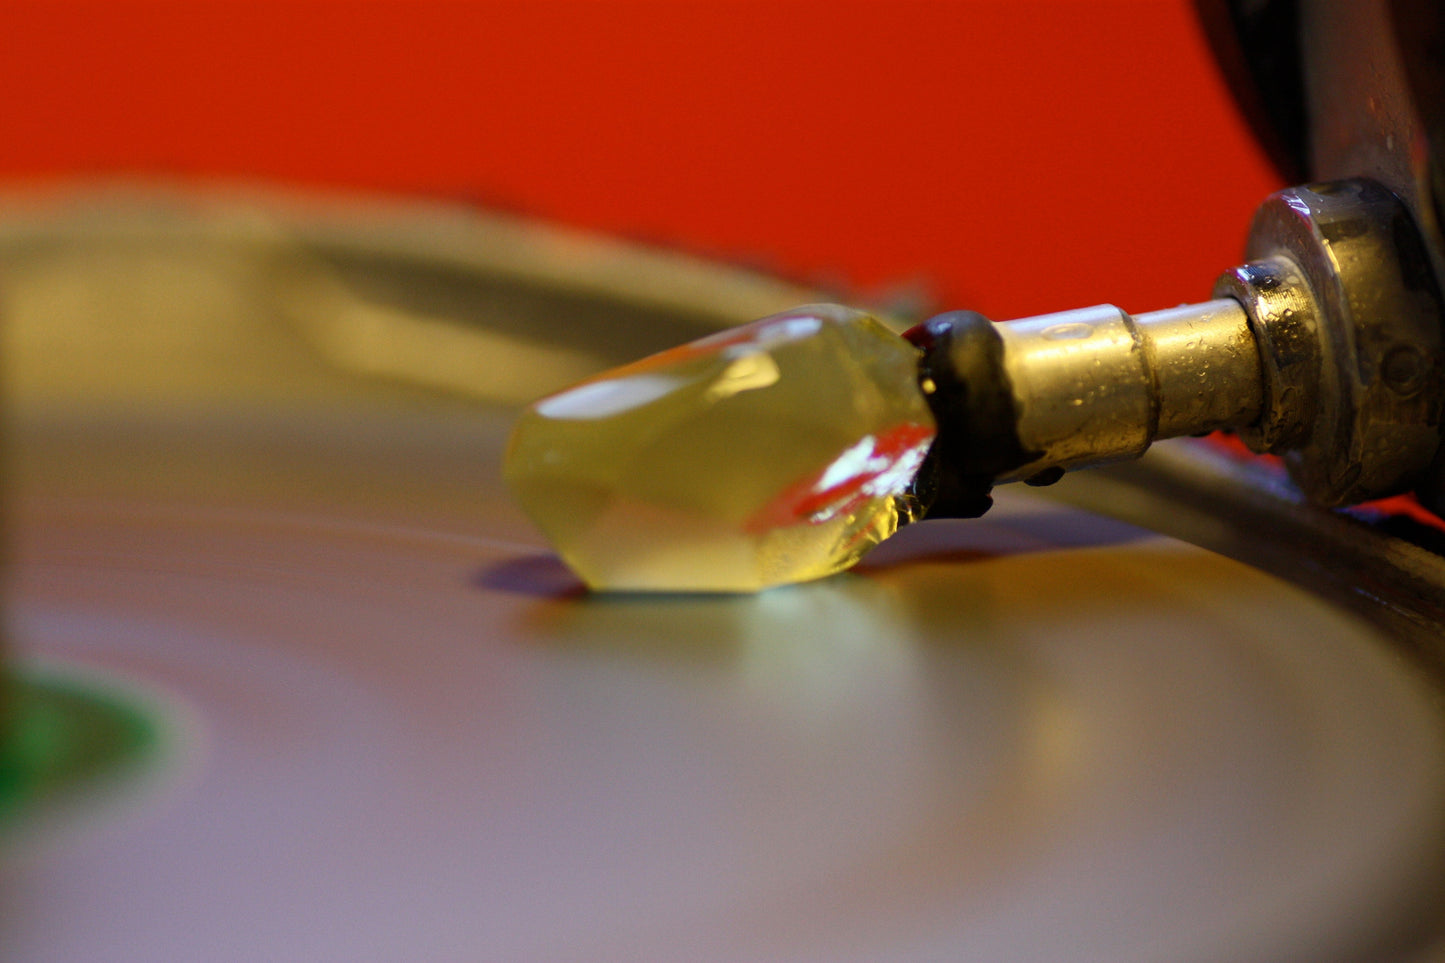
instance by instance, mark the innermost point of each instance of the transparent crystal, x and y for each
(776, 452)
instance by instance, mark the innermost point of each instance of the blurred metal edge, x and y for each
(352, 273)
(404, 229)
(1388, 570)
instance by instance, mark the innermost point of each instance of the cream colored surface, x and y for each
(1038, 736)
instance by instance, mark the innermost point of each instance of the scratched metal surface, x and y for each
(254, 483)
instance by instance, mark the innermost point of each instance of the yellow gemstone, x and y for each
(776, 452)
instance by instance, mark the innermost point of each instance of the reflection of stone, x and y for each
(777, 452)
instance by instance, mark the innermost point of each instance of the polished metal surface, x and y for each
(1095, 385)
(1284, 320)
(1326, 347)
(1194, 398)
(1372, 425)
(1342, 90)
(1080, 384)
(403, 733)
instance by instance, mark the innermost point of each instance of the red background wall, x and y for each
(1019, 155)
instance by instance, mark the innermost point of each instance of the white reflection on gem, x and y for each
(858, 460)
(602, 399)
(760, 334)
(749, 372)
(789, 329)
(894, 479)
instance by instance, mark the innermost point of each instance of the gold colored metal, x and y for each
(1097, 385)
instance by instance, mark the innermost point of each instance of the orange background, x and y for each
(1016, 156)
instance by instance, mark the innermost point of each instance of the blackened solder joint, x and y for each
(963, 377)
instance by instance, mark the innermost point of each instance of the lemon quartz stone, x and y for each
(776, 452)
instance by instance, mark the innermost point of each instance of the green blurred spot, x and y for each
(61, 738)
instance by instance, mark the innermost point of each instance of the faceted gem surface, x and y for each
(776, 452)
